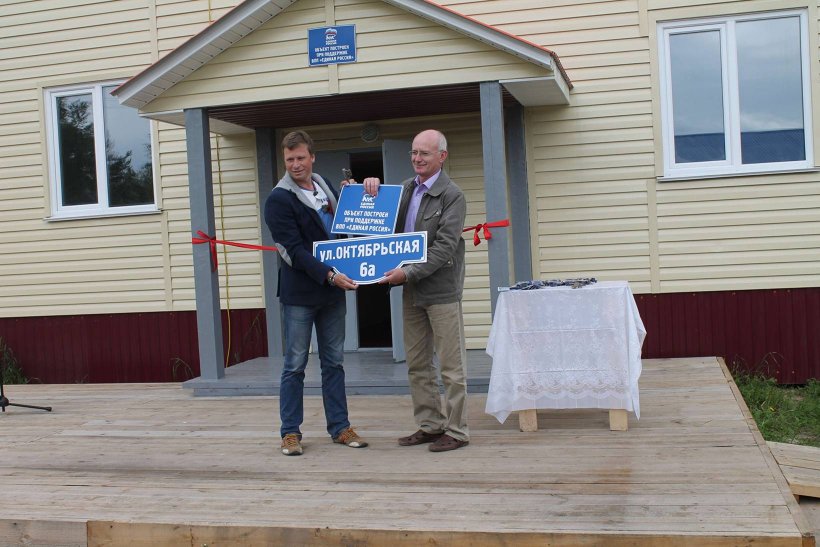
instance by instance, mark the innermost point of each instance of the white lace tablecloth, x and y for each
(560, 347)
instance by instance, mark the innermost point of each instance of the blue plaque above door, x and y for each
(332, 45)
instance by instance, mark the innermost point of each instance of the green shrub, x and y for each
(12, 373)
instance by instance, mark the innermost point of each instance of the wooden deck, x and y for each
(153, 465)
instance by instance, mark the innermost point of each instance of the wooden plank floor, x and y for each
(153, 465)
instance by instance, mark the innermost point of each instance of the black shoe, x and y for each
(446, 443)
(419, 437)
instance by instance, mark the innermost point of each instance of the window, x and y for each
(99, 154)
(735, 95)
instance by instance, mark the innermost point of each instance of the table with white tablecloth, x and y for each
(563, 347)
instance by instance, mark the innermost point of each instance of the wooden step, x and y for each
(801, 467)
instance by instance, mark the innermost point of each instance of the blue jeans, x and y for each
(330, 334)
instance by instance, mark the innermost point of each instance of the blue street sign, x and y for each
(359, 213)
(365, 260)
(332, 45)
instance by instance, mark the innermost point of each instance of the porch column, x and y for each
(206, 281)
(266, 167)
(495, 183)
(519, 193)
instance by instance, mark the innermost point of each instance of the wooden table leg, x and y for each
(618, 420)
(528, 420)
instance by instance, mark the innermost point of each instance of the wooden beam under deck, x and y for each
(149, 464)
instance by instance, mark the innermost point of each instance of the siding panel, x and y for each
(112, 264)
(766, 331)
(138, 347)
(750, 329)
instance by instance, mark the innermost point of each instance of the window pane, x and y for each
(697, 96)
(771, 90)
(76, 144)
(128, 154)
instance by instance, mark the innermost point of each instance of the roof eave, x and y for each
(198, 50)
(251, 14)
(487, 34)
(545, 91)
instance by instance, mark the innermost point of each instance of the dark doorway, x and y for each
(372, 301)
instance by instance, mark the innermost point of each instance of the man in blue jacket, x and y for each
(298, 212)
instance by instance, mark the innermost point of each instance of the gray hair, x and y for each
(442, 142)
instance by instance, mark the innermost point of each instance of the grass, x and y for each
(785, 414)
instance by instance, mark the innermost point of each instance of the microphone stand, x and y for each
(4, 402)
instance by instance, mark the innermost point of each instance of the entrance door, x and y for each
(374, 314)
(397, 167)
(373, 318)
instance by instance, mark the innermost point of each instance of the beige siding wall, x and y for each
(236, 207)
(272, 62)
(82, 266)
(743, 232)
(598, 207)
(591, 163)
(397, 49)
(119, 264)
(178, 20)
(236, 212)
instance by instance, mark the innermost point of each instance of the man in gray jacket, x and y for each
(433, 321)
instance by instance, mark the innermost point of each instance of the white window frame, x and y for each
(102, 207)
(732, 165)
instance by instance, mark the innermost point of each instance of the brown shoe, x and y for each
(291, 445)
(446, 443)
(419, 437)
(350, 438)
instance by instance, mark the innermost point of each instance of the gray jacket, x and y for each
(442, 212)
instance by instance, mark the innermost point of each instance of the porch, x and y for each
(150, 464)
(372, 372)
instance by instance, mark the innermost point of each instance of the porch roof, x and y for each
(251, 14)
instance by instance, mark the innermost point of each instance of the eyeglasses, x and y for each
(421, 153)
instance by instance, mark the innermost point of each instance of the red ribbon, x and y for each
(212, 241)
(486, 228)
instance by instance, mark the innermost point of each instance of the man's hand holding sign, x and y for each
(370, 210)
(395, 276)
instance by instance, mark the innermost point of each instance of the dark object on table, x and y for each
(575, 283)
